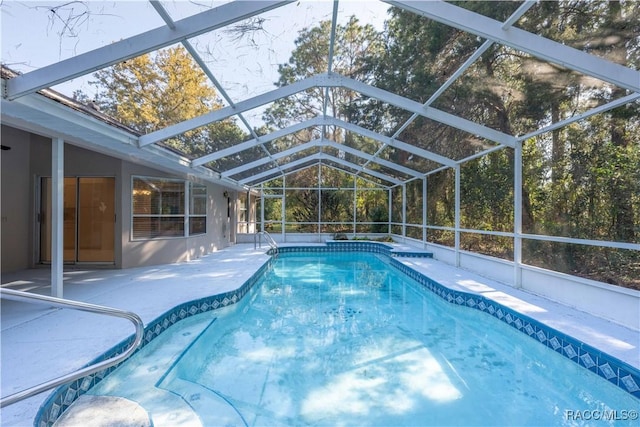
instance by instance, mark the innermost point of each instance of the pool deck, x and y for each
(38, 342)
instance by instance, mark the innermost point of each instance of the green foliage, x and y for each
(487, 192)
(153, 91)
(380, 216)
(355, 46)
(581, 181)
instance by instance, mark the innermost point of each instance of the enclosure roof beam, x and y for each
(292, 171)
(317, 121)
(524, 41)
(360, 168)
(137, 45)
(205, 68)
(428, 112)
(371, 158)
(393, 142)
(275, 156)
(157, 5)
(597, 110)
(321, 142)
(319, 157)
(270, 172)
(329, 80)
(524, 7)
(356, 176)
(353, 174)
(283, 175)
(472, 59)
(224, 113)
(332, 45)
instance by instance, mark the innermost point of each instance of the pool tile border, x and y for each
(351, 246)
(608, 367)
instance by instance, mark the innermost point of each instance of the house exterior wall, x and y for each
(77, 162)
(30, 159)
(16, 200)
(161, 251)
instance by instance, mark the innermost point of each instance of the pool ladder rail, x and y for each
(11, 294)
(257, 241)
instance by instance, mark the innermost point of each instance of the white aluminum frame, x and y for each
(19, 105)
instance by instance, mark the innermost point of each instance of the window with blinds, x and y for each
(159, 208)
(198, 209)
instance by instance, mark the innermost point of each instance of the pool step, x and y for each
(104, 410)
(155, 407)
(138, 378)
(213, 408)
(167, 409)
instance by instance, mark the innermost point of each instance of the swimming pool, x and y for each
(346, 339)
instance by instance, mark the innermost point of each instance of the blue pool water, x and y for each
(346, 339)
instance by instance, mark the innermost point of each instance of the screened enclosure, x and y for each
(505, 129)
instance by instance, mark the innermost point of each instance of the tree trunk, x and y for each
(621, 193)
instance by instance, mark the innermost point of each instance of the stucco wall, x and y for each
(161, 251)
(30, 158)
(77, 162)
(15, 202)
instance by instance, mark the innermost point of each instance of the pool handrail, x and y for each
(11, 294)
(258, 241)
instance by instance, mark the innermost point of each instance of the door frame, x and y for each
(39, 215)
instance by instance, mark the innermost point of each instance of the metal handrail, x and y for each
(272, 243)
(11, 294)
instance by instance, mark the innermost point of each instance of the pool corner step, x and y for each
(212, 407)
(104, 411)
(157, 408)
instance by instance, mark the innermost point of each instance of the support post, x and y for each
(424, 212)
(390, 212)
(283, 217)
(355, 205)
(517, 216)
(457, 216)
(319, 202)
(261, 207)
(404, 211)
(187, 208)
(57, 217)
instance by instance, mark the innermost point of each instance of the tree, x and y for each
(153, 91)
(354, 46)
(580, 181)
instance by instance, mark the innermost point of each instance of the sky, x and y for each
(39, 33)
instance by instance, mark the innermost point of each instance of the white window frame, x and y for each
(192, 196)
(185, 215)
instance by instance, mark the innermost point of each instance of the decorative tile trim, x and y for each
(62, 397)
(608, 367)
(411, 254)
(353, 246)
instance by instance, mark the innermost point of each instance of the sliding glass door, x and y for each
(89, 217)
